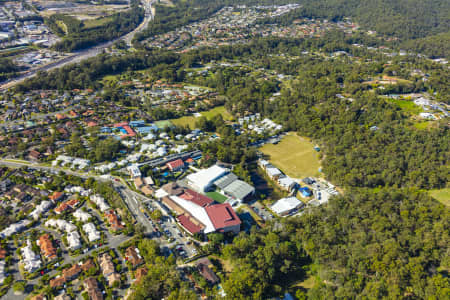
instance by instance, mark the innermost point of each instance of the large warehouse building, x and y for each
(203, 180)
(197, 213)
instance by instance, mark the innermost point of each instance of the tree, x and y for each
(19, 286)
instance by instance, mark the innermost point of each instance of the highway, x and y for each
(91, 52)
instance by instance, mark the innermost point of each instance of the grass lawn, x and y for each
(97, 22)
(185, 121)
(218, 110)
(164, 123)
(294, 155)
(216, 196)
(407, 106)
(308, 283)
(190, 120)
(442, 195)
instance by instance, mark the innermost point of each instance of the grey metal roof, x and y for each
(226, 180)
(239, 189)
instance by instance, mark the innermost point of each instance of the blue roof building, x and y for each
(106, 130)
(306, 192)
(137, 123)
(145, 129)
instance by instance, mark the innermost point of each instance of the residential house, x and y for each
(140, 273)
(30, 260)
(91, 231)
(56, 196)
(132, 255)
(113, 220)
(175, 165)
(92, 289)
(34, 155)
(47, 248)
(107, 267)
(204, 266)
(65, 206)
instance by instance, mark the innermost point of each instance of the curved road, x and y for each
(84, 54)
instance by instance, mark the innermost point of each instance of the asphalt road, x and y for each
(91, 52)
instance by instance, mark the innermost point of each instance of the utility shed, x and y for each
(239, 189)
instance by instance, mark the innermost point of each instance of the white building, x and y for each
(273, 172)
(73, 239)
(91, 231)
(78, 189)
(134, 171)
(285, 206)
(287, 183)
(2, 271)
(81, 215)
(14, 228)
(30, 260)
(40, 209)
(100, 202)
(62, 225)
(204, 179)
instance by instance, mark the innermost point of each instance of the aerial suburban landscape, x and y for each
(206, 149)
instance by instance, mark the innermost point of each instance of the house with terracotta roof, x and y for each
(67, 205)
(175, 165)
(87, 265)
(34, 155)
(72, 272)
(57, 282)
(132, 255)
(47, 248)
(60, 116)
(113, 220)
(56, 196)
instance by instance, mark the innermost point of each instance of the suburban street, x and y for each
(91, 52)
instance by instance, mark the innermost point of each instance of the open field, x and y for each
(442, 195)
(85, 11)
(219, 110)
(97, 22)
(294, 155)
(185, 121)
(190, 120)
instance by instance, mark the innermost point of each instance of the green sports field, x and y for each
(293, 155)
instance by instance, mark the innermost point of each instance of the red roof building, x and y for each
(223, 217)
(113, 220)
(190, 224)
(56, 196)
(196, 198)
(175, 165)
(47, 248)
